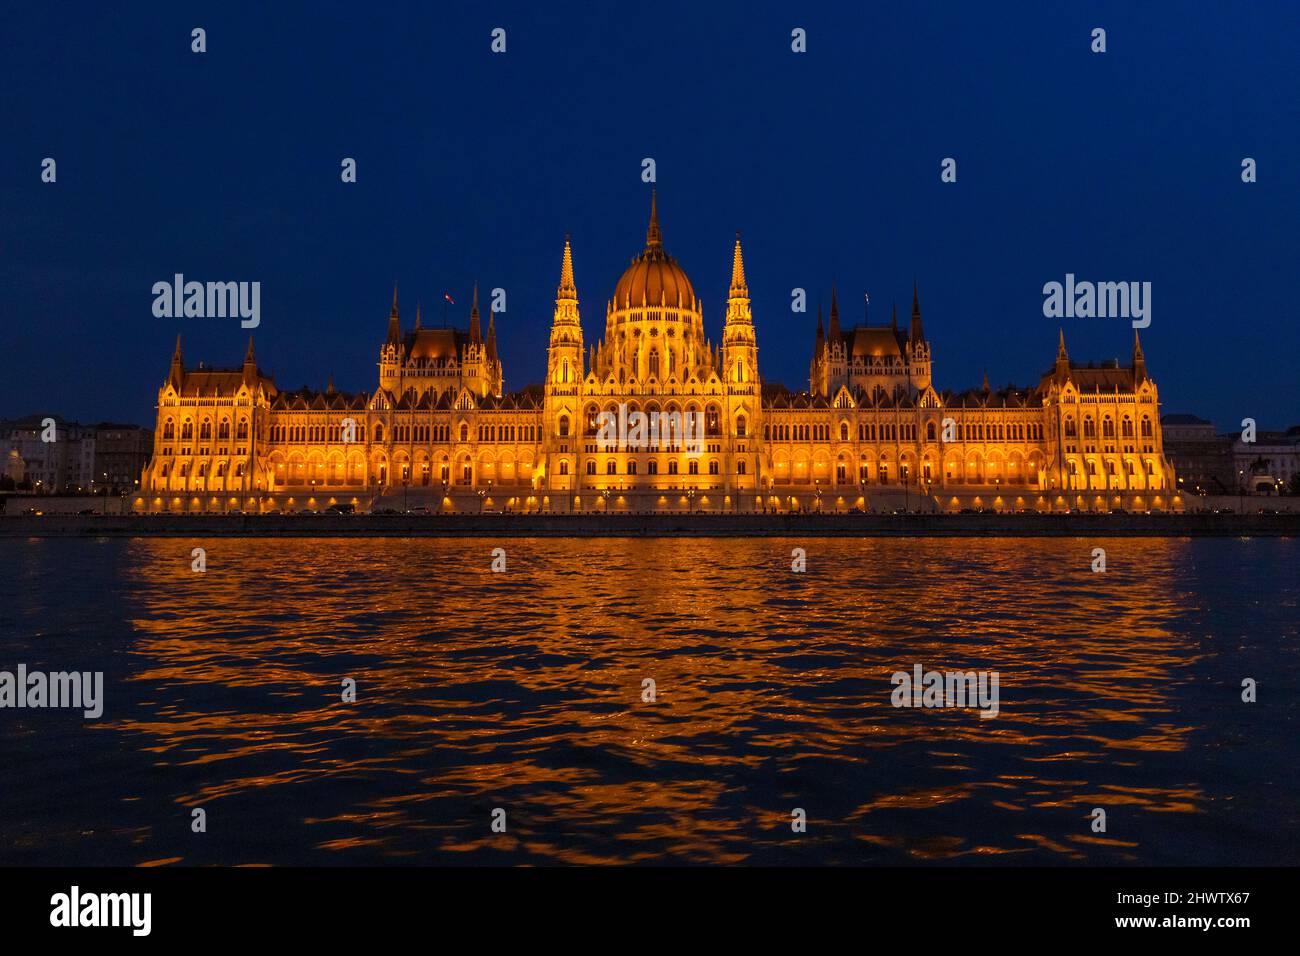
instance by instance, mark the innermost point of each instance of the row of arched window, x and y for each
(1107, 427)
(652, 467)
(205, 430)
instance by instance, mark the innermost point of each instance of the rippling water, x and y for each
(522, 690)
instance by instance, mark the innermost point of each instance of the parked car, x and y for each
(306, 511)
(234, 511)
(87, 511)
(273, 511)
(340, 509)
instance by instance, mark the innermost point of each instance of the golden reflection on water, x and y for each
(522, 690)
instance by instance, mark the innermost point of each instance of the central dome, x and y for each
(654, 277)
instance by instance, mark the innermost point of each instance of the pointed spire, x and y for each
(835, 316)
(178, 366)
(1139, 360)
(475, 334)
(568, 289)
(249, 358)
(917, 331)
(394, 324)
(821, 336)
(329, 385)
(986, 380)
(654, 241)
(417, 316)
(1060, 348)
(492, 337)
(893, 320)
(1137, 346)
(738, 285)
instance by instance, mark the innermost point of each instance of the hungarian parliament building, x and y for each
(871, 432)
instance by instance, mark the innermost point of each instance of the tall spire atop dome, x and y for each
(738, 284)
(835, 316)
(492, 337)
(654, 240)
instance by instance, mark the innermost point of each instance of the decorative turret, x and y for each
(177, 372)
(394, 324)
(739, 354)
(917, 332)
(817, 374)
(475, 333)
(1139, 361)
(250, 365)
(564, 354)
(1062, 359)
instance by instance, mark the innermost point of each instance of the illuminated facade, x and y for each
(871, 432)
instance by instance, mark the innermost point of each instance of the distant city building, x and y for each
(1268, 465)
(872, 430)
(65, 464)
(1202, 458)
(121, 453)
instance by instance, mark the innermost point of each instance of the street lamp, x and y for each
(817, 484)
(690, 500)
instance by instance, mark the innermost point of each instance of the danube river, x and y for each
(523, 691)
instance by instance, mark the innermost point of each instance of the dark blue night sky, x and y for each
(225, 166)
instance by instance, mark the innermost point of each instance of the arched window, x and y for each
(564, 426)
(611, 467)
(187, 430)
(169, 430)
(1070, 431)
(693, 467)
(1146, 427)
(464, 432)
(223, 430)
(929, 431)
(242, 433)
(1089, 427)
(1107, 427)
(631, 468)
(379, 432)
(652, 467)
(654, 362)
(713, 467)
(205, 430)
(564, 467)
(591, 467)
(1126, 427)
(844, 431)
(672, 467)
(740, 467)
(740, 426)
